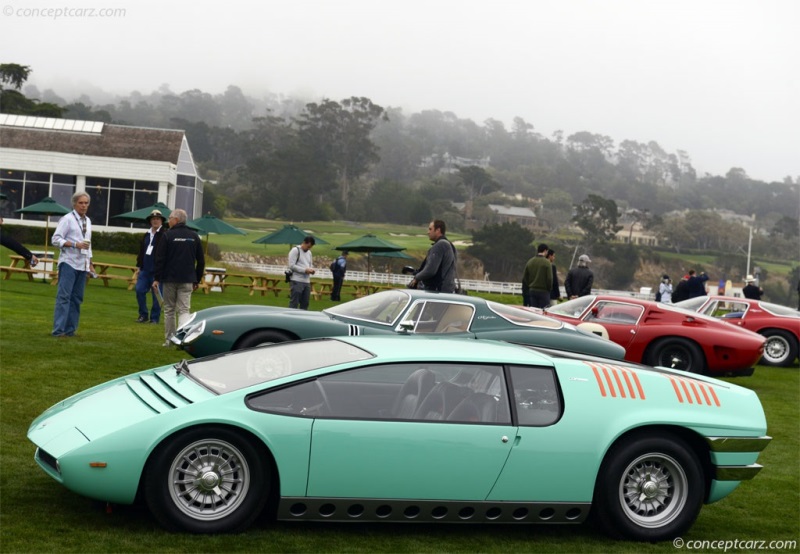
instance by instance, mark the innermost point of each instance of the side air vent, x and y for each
(359, 509)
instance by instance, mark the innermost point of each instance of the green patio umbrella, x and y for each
(288, 234)
(47, 206)
(142, 213)
(370, 244)
(209, 224)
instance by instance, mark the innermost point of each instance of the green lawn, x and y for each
(39, 515)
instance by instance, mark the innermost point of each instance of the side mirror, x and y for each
(406, 326)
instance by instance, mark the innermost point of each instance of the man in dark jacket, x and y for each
(438, 270)
(697, 283)
(180, 265)
(579, 279)
(146, 262)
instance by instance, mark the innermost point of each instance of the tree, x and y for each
(597, 218)
(503, 249)
(337, 137)
(12, 101)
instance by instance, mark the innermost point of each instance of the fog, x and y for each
(717, 79)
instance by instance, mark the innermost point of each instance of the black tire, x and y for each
(677, 353)
(780, 350)
(258, 338)
(648, 489)
(206, 480)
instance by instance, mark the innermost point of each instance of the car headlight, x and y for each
(188, 322)
(191, 332)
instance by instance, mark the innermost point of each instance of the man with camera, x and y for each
(302, 268)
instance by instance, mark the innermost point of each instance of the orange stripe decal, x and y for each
(677, 390)
(714, 395)
(599, 380)
(696, 394)
(608, 382)
(628, 382)
(616, 371)
(700, 393)
(705, 394)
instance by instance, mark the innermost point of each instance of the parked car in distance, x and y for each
(422, 429)
(780, 325)
(662, 335)
(397, 312)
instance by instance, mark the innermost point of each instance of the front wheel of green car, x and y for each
(206, 480)
(649, 489)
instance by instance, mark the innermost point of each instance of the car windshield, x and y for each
(244, 368)
(572, 308)
(693, 304)
(382, 308)
(519, 315)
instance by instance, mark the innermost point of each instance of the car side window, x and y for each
(457, 393)
(440, 317)
(615, 312)
(536, 395)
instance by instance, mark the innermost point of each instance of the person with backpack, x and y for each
(301, 265)
(338, 269)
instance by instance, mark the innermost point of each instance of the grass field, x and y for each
(39, 515)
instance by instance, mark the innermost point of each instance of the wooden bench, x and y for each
(25, 269)
(264, 284)
(102, 273)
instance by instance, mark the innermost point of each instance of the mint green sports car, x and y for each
(419, 429)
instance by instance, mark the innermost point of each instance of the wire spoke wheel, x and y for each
(653, 490)
(209, 479)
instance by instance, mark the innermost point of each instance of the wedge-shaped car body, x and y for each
(778, 324)
(664, 335)
(418, 429)
(399, 312)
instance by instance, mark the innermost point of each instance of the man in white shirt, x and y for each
(73, 235)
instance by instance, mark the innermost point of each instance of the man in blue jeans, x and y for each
(73, 235)
(146, 263)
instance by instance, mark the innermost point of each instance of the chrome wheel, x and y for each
(653, 490)
(209, 479)
(780, 349)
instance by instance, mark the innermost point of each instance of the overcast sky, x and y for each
(719, 79)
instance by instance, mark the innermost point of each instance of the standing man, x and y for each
(579, 279)
(180, 265)
(555, 293)
(438, 269)
(697, 283)
(302, 266)
(338, 268)
(537, 279)
(146, 262)
(73, 235)
(751, 290)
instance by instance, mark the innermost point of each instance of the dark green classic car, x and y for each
(399, 312)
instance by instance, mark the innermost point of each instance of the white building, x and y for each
(122, 168)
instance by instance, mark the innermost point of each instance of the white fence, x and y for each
(400, 280)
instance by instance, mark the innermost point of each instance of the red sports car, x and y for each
(779, 324)
(662, 335)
